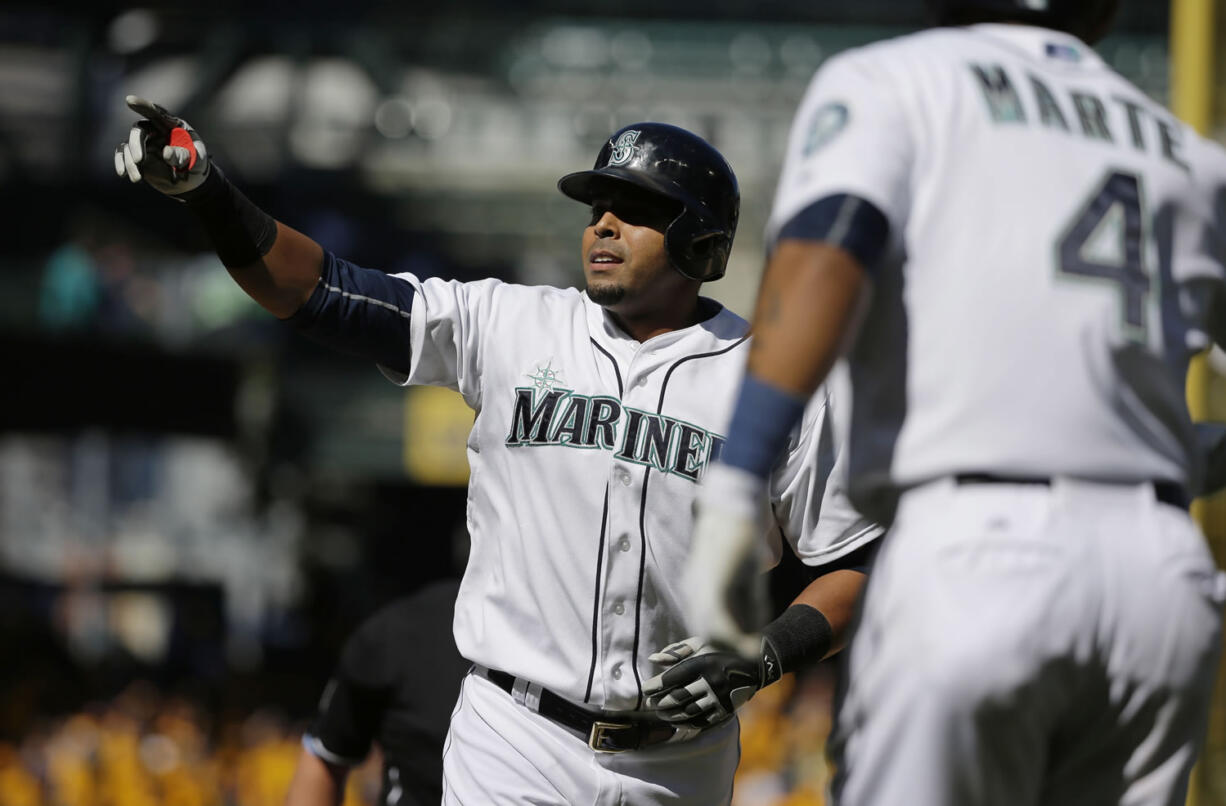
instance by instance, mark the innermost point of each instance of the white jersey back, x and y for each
(585, 458)
(1050, 264)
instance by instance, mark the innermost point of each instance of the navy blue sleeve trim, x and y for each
(761, 424)
(846, 221)
(359, 311)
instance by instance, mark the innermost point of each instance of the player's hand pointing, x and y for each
(701, 686)
(163, 150)
(726, 601)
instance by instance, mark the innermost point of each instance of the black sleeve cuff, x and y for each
(241, 232)
(799, 638)
(347, 722)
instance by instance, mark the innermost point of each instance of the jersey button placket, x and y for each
(620, 582)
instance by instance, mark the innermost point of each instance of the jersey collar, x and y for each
(724, 326)
(1042, 44)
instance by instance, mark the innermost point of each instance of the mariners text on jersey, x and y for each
(562, 417)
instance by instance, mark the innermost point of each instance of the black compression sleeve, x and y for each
(359, 311)
(241, 232)
(799, 638)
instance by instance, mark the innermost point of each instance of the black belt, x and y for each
(1168, 492)
(606, 733)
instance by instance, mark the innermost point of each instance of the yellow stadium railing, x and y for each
(1194, 35)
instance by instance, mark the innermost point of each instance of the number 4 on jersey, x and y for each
(1106, 241)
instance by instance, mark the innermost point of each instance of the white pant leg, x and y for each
(500, 752)
(697, 772)
(1007, 630)
(946, 651)
(1158, 638)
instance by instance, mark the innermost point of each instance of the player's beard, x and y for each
(606, 294)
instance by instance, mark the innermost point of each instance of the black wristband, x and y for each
(241, 232)
(799, 638)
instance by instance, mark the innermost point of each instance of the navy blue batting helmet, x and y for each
(681, 166)
(1087, 19)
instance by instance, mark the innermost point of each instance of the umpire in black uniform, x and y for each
(382, 692)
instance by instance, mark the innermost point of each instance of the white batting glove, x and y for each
(162, 150)
(724, 588)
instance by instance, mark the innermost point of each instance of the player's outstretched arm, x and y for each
(277, 266)
(703, 685)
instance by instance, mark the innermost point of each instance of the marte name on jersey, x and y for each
(1075, 111)
(562, 417)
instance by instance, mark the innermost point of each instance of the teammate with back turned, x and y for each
(1043, 246)
(596, 416)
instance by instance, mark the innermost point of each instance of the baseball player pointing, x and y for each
(597, 414)
(1043, 246)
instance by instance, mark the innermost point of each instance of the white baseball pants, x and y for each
(1024, 645)
(499, 752)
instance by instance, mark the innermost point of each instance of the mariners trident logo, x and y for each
(546, 377)
(624, 147)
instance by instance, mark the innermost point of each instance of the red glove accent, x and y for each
(180, 138)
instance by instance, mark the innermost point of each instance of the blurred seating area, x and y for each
(145, 748)
(403, 142)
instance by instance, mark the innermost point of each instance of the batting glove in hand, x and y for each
(726, 599)
(703, 686)
(163, 150)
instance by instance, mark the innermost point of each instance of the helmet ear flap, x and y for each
(701, 256)
(712, 248)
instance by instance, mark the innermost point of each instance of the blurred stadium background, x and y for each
(196, 506)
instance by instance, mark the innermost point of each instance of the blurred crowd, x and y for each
(783, 742)
(145, 748)
(103, 279)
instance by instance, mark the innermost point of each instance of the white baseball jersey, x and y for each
(1050, 263)
(585, 458)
